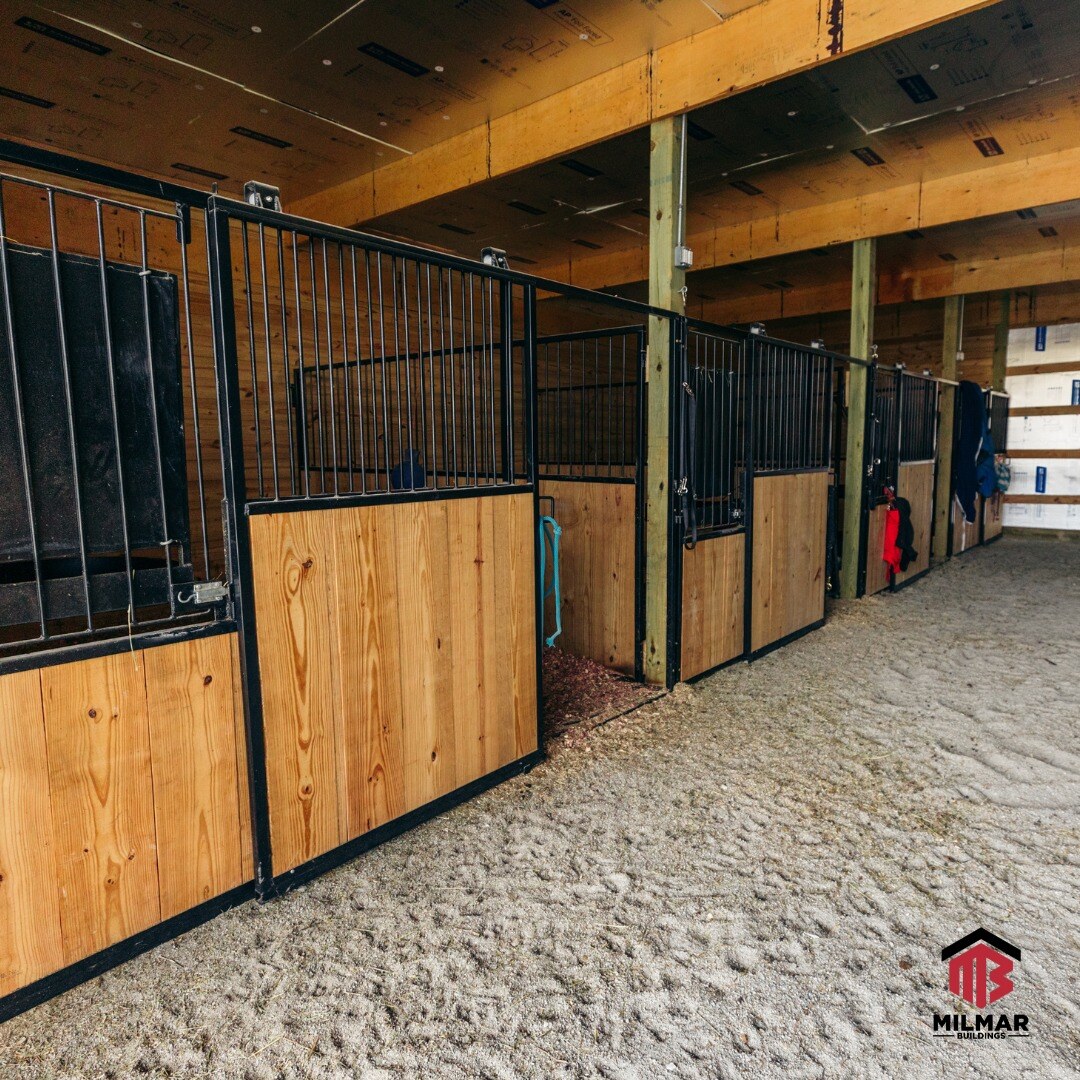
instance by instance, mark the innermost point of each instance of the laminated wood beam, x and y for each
(666, 282)
(997, 187)
(755, 46)
(863, 278)
(990, 272)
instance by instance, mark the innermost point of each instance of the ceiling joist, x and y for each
(757, 45)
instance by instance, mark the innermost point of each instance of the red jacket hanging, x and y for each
(891, 553)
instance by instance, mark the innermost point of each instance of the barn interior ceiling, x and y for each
(1003, 81)
(303, 92)
(314, 92)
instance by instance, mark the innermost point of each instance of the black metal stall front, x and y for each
(755, 451)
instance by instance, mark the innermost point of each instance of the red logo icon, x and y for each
(979, 967)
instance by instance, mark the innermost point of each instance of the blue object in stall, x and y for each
(1040, 479)
(550, 531)
(408, 475)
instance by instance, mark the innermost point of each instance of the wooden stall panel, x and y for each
(789, 554)
(965, 533)
(877, 569)
(515, 520)
(397, 647)
(197, 811)
(366, 635)
(293, 561)
(426, 649)
(916, 484)
(992, 522)
(712, 603)
(597, 561)
(101, 787)
(31, 945)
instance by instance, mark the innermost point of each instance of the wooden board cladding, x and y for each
(965, 533)
(916, 484)
(397, 651)
(713, 586)
(788, 579)
(877, 569)
(992, 516)
(123, 794)
(597, 560)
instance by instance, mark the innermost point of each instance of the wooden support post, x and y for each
(1001, 343)
(950, 351)
(863, 288)
(665, 290)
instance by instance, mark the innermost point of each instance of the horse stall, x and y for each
(591, 449)
(123, 755)
(997, 418)
(901, 448)
(268, 562)
(991, 409)
(755, 472)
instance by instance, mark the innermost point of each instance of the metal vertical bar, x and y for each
(453, 374)
(61, 329)
(20, 424)
(360, 424)
(239, 539)
(196, 431)
(109, 358)
(251, 357)
(434, 462)
(293, 490)
(506, 334)
(346, 395)
(301, 375)
(442, 378)
(329, 362)
(167, 541)
(269, 358)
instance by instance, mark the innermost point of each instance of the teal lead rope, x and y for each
(550, 531)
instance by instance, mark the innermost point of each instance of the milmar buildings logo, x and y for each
(980, 966)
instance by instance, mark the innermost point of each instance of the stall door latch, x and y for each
(204, 594)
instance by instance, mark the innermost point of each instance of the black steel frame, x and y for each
(639, 441)
(239, 612)
(813, 454)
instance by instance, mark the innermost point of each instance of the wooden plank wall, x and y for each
(597, 559)
(992, 516)
(788, 577)
(123, 799)
(916, 484)
(712, 603)
(965, 533)
(398, 657)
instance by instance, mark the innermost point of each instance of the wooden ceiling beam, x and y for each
(755, 46)
(996, 187)
(929, 281)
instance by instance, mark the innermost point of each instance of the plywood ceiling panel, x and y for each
(307, 92)
(1000, 83)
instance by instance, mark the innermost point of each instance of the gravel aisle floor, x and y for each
(753, 876)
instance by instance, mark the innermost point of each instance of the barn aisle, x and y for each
(752, 876)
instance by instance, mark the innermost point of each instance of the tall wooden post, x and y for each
(1001, 343)
(950, 351)
(863, 292)
(666, 282)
